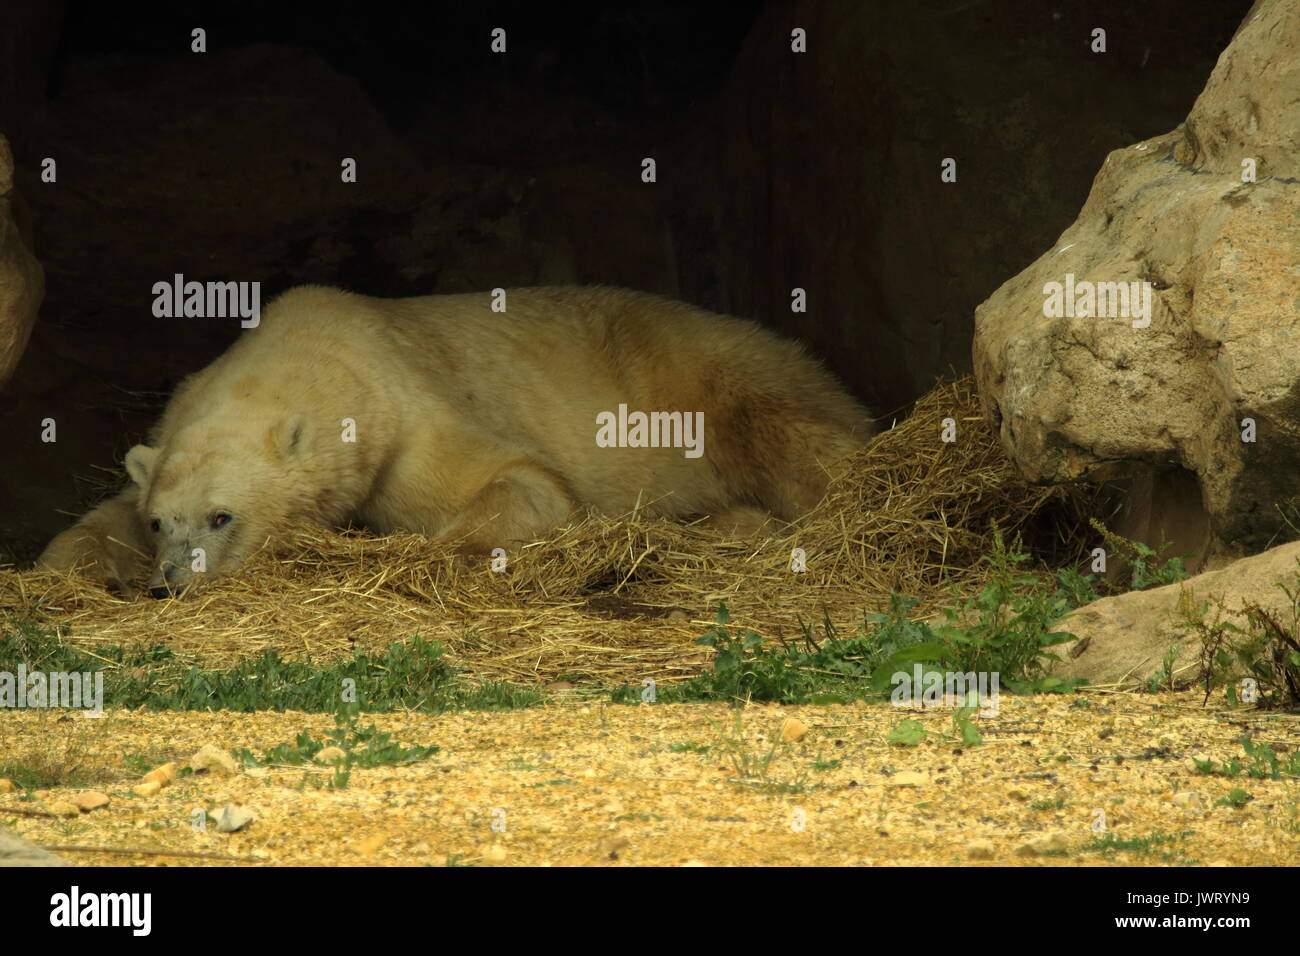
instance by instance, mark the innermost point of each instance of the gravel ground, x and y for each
(589, 783)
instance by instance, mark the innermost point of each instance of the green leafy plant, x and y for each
(1264, 654)
(1235, 798)
(362, 747)
(408, 675)
(1148, 567)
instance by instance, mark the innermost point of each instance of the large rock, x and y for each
(1095, 397)
(22, 282)
(1127, 637)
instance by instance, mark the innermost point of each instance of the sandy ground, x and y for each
(590, 783)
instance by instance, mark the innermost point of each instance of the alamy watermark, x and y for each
(209, 300)
(1087, 299)
(931, 688)
(626, 429)
(72, 690)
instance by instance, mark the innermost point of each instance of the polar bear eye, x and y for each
(155, 525)
(219, 519)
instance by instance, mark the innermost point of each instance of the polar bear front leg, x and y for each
(109, 544)
(521, 501)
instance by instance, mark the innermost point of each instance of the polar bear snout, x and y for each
(170, 580)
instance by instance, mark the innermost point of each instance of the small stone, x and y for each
(1017, 793)
(213, 760)
(908, 778)
(614, 846)
(1053, 842)
(980, 849)
(166, 774)
(330, 754)
(371, 844)
(90, 800)
(1188, 799)
(62, 808)
(232, 818)
(146, 789)
(495, 853)
(7, 786)
(793, 729)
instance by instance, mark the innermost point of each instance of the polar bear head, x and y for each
(209, 498)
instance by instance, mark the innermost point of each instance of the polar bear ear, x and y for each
(139, 463)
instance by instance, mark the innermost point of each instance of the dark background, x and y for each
(477, 170)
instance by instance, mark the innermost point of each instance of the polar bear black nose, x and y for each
(160, 591)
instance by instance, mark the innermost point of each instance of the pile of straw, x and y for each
(607, 600)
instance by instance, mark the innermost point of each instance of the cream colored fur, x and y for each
(471, 425)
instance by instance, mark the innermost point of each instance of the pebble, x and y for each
(90, 800)
(1189, 799)
(793, 729)
(371, 844)
(1047, 843)
(62, 808)
(232, 818)
(164, 775)
(908, 778)
(146, 789)
(213, 760)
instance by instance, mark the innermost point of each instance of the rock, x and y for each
(908, 778)
(63, 808)
(1082, 396)
(146, 789)
(22, 281)
(1053, 842)
(793, 729)
(980, 849)
(213, 760)
(1126, 637)
(495, 853)
(1189, 800)
(90, 800)
(7, 786)
(371, 844)
(614, 846)
(330, 754)
(15, 851)
(164, 775)
(1017, 793)
(232, 818)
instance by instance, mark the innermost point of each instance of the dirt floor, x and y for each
(1056, 782)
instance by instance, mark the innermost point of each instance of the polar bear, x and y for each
(479, 420)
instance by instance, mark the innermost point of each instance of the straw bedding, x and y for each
(607, 600)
